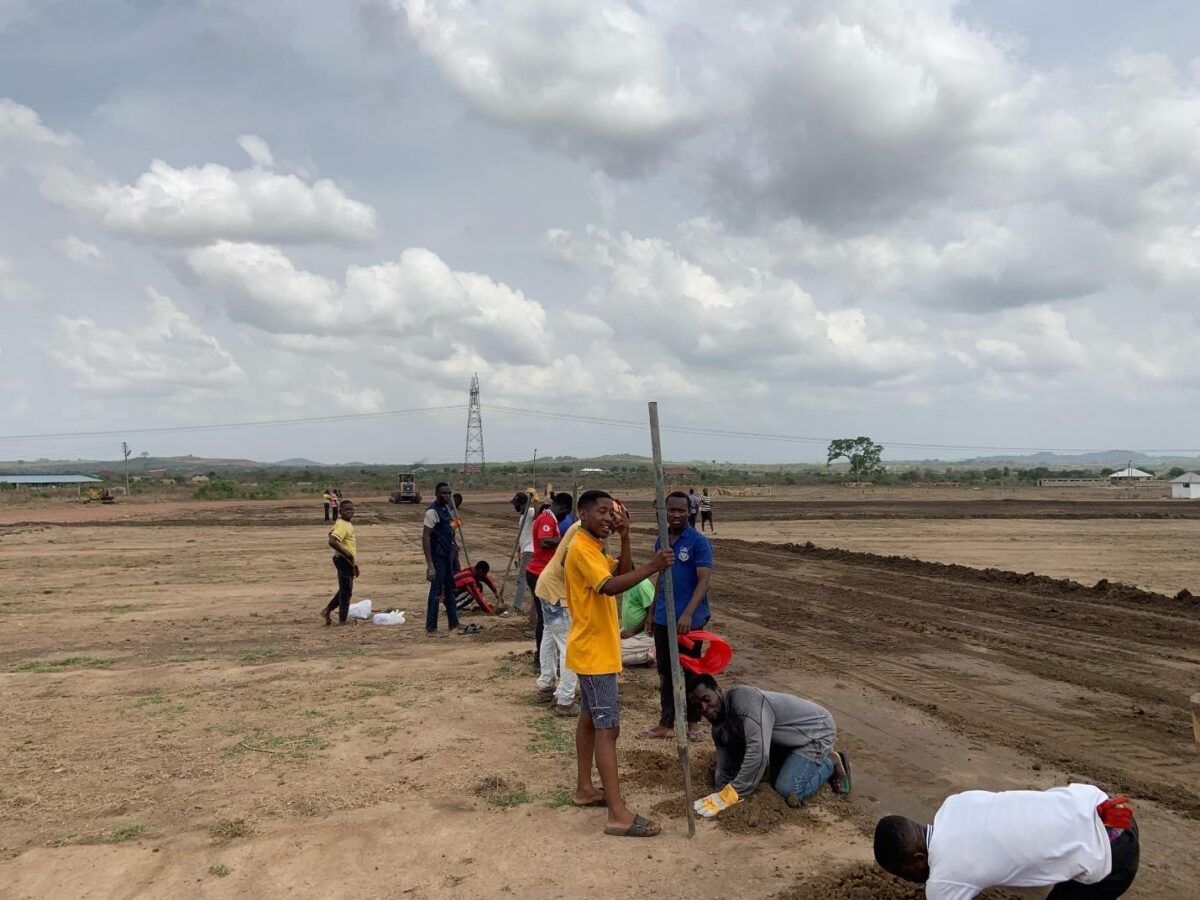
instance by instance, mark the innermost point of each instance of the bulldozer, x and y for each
(98, 495)
(406, 489)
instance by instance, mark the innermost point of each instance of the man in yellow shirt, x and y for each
(594, 584)
(345, 560)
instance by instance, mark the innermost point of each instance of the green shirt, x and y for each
(634, 603)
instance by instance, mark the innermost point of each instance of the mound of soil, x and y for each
(865, 882)
(658, 767)
(500, 630)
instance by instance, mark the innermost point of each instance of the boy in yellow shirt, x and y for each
(345, 560)
(595, 583)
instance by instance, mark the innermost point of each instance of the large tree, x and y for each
(864, 455)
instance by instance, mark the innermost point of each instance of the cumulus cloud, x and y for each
(80, 251)
(170, 355)
(200, 204)
(20, 124)
(257, 149)
(417, 299)
(746, 320)
(592, 75)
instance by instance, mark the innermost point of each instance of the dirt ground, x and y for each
(178, 723)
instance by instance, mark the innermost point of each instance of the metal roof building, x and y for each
(44, 480)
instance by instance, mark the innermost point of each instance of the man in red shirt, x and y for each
(553, 619)
(471, 582)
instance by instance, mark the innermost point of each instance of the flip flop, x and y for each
(650, 735)
(599, 801)
(641, 827)
(847, 783)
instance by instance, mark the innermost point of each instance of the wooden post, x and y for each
(1196, 719)
(664, 537)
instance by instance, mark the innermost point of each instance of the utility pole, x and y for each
(125, 450)
(533, 476)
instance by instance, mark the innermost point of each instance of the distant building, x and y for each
(46, 480)
(1070, 482)
(1129, 475)
(159, 474)
(679, 472)
(1186, 487)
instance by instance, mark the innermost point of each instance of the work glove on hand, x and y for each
(714, 803)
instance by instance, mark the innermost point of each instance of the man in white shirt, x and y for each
(1073, 837)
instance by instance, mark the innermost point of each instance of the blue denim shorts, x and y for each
(600, 700)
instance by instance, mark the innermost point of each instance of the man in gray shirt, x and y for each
(754, 730)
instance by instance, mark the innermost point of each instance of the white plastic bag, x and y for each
(361, 609)
(389, 618)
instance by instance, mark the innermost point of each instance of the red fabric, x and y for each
(1114, 812)
(544, 526)
(714, 658)
(464, 580)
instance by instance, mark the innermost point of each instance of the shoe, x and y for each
(565, 712)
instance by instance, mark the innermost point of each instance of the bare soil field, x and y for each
(178, 723)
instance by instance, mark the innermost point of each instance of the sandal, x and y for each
(845, 783)
(641, 827)
(650, 735)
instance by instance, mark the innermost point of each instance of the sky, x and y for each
(953, 224)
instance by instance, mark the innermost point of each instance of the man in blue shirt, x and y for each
(690, 574)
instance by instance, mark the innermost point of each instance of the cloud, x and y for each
(594, 76)
(20, 124)
(14, 289)
(168, 356)
(417, 299)
(257, 149)
(742, 320)
(80, 251)
(200, 204)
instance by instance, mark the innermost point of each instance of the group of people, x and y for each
(595, 611)
(332, 498)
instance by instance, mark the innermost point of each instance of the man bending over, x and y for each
(1073, 837)
(754, 730)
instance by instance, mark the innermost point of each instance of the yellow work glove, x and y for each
(712, 804)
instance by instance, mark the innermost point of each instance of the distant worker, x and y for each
(472, 581)
(637, 620)
(693, 506)
(1073, 837)
(551, 590)
(691, 574)
(325, 498)
(441, 559)
(706, 512)
(523, 505)
(335, 501)
(755, 731)
(345, 561)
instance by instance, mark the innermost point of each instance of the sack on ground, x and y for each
(395, 617)
(361, 609)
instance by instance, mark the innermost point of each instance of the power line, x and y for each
(553, 415)
(228, 426)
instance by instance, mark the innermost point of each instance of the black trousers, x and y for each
(341, 600)
(1126, 853)
(326, 512)
(666, 696)
(531, 582)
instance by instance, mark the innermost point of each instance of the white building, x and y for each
(1186, 487)
(1130, 475)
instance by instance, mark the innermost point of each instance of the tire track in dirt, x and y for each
(1105, 704)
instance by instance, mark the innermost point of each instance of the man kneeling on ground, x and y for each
(1074, 837)
(754, 730)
